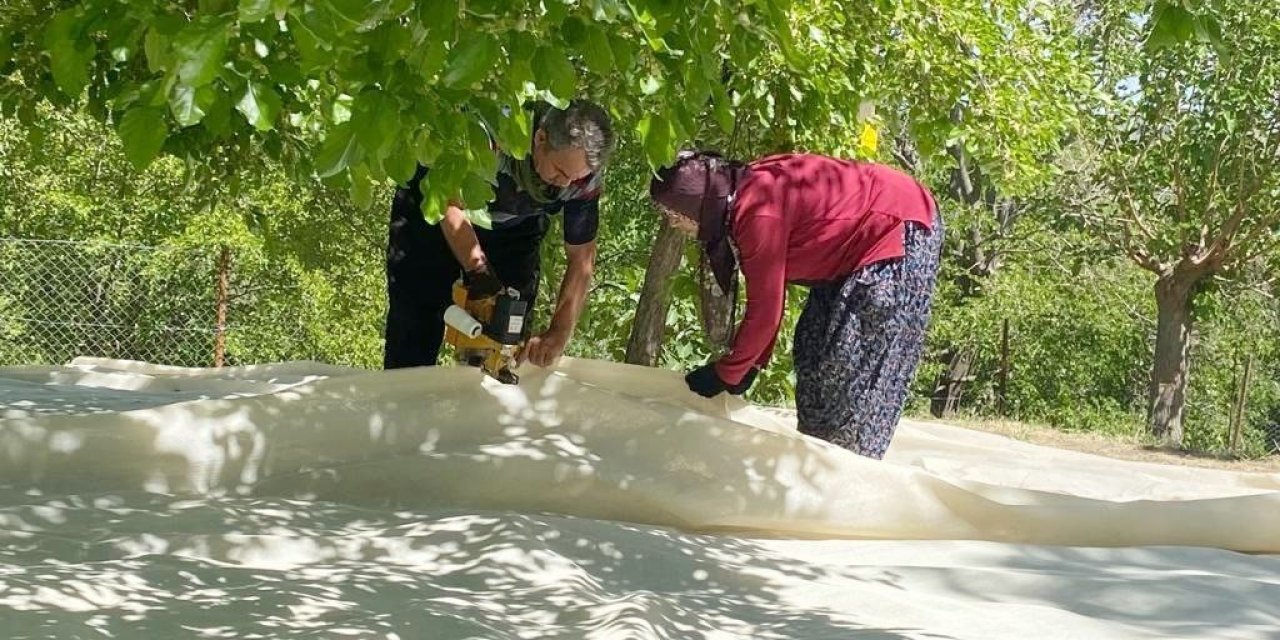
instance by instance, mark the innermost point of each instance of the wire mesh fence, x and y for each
(201, 306)
(62, 299)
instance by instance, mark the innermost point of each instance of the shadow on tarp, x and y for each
(594, 440)
(144, 565)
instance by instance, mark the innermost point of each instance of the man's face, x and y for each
(558, 167)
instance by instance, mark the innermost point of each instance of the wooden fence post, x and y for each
(223, 295)
(1004, 368)
(1242, 399)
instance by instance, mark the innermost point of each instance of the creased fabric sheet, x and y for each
(595, 500)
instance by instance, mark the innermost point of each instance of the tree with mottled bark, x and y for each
(1186, 161)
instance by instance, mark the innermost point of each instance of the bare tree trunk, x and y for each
(950, 385)
(716, 308)
(647, 331)
(223, 293)
(1242, 401)
(1169, 371)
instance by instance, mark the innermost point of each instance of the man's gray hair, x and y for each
(583, 125)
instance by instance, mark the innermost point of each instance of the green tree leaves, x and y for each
(597, 53)
(338, 151)
(70, 51)
(1185, 147)
(554, 70)
(260, 105)
(657, 137)
(200, 50)
(375, 118)
(778, 73)
(1193, 148)
(471, 60)
(443, 184)
(514, 132)
(1173, 23)
(437, 15)
(143, 131)
(254, 10)
(6, 47)
(189, 104)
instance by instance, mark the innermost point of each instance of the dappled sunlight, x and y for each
(286, 571)
(591, 500)
(147, 564)
(1171, 592)
(598, 440)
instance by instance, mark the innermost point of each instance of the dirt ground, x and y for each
(1120, 447)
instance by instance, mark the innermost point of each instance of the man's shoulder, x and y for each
(588, 188)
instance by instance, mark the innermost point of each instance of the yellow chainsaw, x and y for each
(487, 332)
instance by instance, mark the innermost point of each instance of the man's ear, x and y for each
(540, 137)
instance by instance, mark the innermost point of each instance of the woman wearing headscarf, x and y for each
(863, 237)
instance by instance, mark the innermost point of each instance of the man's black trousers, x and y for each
(421, 270)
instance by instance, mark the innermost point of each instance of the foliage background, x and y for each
(152, 135)
(307, 283)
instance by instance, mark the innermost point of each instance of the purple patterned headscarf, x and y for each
(700, 186)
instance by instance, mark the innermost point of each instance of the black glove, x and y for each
(704, 381)
(747, 381)
(481, 283)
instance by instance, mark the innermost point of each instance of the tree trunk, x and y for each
(1167, 393)
(950, 385)
(715, 307)
(647, 331)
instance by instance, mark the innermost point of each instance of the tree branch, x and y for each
(1179, 191)
(962, 181)
(1254, 239)
(1221, 245)
(1138, 254)
(902, 159)
(1144, 260)
(1135, 217)
(906, 156)
(1217, 165)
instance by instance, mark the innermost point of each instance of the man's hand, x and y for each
(544, 349)
(481, 283)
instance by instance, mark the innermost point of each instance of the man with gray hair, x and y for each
(562, 173)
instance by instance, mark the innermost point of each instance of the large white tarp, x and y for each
(596, 500)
